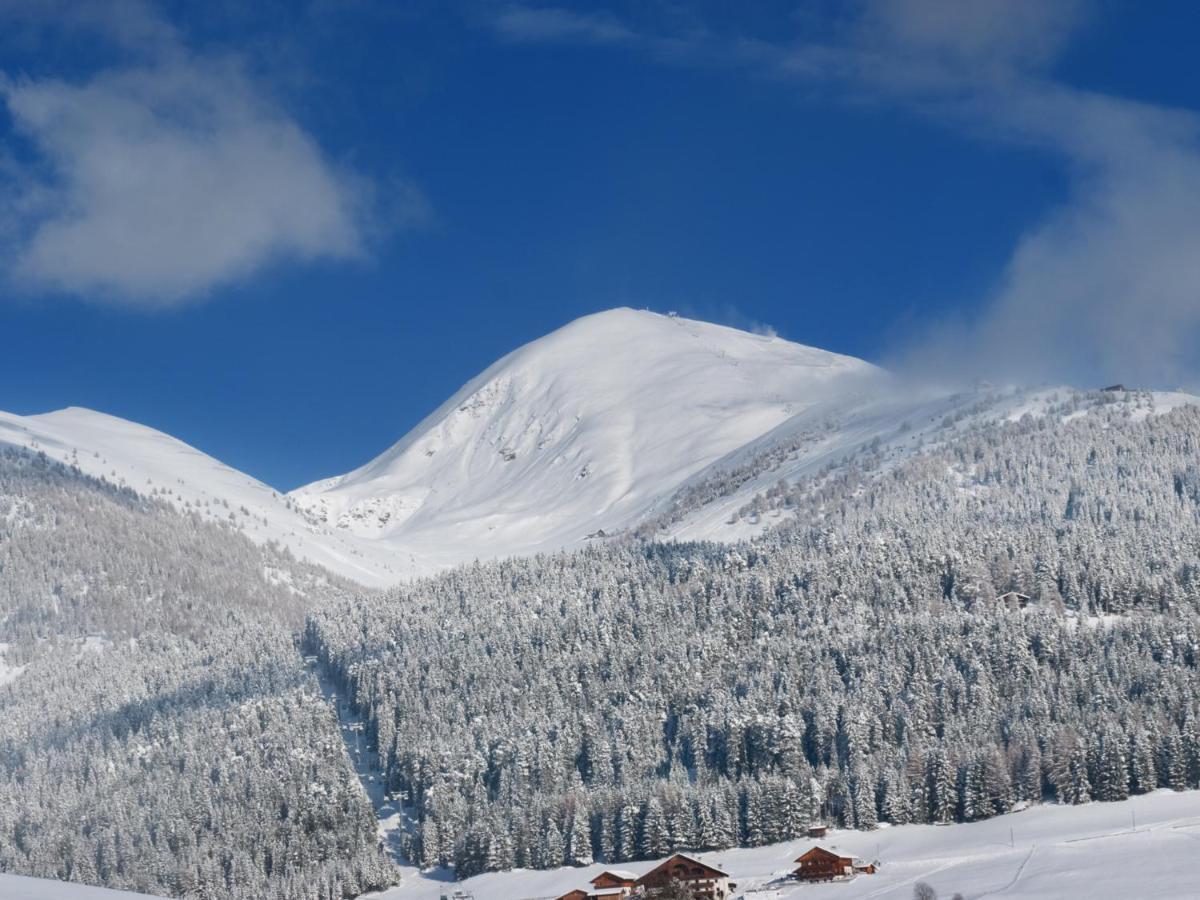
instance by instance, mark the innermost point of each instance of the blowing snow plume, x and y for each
(1107, 286)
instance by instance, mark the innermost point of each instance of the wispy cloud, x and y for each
(1107, 286)
(539, 25)
(152, 182)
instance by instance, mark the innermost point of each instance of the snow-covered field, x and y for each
(14, 887)
(1143, 847)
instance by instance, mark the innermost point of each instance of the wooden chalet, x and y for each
(819, 864)
(705, 882)
(576, 894)
(612, 884)
(817, 831)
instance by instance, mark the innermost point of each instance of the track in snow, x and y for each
(363, 757)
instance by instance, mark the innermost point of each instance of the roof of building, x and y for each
(710, 870)
(621, 874)
(819, 851)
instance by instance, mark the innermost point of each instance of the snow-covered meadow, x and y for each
(1142, 847)
(17, 887)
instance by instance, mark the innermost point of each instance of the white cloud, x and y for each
(970, 35)
(1107, 287)
(546, 24)
(133, 25)
(154, 183)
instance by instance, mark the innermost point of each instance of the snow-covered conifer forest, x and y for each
(860, 665)
(163, 734)
(936, 611)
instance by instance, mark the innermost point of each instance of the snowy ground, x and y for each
(14, 887)
(1143, 847)
(899, 420)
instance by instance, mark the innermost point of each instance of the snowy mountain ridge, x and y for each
(156, 464)
(888, 424)
(620, 420)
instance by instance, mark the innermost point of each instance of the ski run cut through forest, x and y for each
(645, 586)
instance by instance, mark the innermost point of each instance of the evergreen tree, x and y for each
(655, 839)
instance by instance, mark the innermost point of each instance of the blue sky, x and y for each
(285, 232)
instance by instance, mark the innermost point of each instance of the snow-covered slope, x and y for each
(579, 432)
(893, 420)
(157, 464)
(617, 420)
(16, 887)
(1141, 847)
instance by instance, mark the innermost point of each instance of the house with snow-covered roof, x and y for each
(613, 883)
(705, 882)
(819, 864)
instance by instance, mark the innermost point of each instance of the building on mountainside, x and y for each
(705, 882)
(1115, 388)
(819, 864)
(576, 894)
(613, 883)
(817, 831)
(1014, 599)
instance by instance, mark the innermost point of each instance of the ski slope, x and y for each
(1142, 847)
(577, 433)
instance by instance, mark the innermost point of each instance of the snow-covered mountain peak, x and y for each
(620, 420)
(611, 360)
(577, 432)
